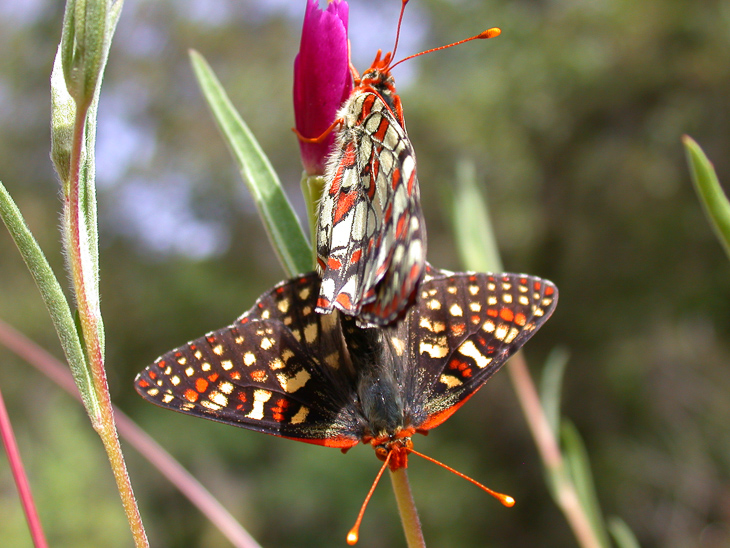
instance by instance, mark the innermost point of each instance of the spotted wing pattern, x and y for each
(462, 330)
(279, 369)
(371, 236)
(285, 370)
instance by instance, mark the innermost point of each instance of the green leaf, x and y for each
(579, 469)
(713, 199)
(551, 385)
(282, 225)
(622, 535)
(475, 239)
(54, 299)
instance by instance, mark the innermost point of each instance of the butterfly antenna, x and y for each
(489, 33)
(504, 499)
(397, 33)
(353, 535)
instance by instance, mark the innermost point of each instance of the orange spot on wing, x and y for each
(356, 256)
(506, 314)
(400, 227)
(236, 375)
(259, 375)
(492, 312)
(191, 395)
(213, 377)
(520, 319)
(458, 329)
(396, 178)
(143, 383)
(334, 264)
(344, 300)
(201, 385)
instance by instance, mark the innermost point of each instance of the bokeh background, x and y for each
(573, 118)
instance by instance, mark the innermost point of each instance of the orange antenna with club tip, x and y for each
(353, 535)
(489, 33)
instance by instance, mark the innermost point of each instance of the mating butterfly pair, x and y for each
(284, 369)
(414, 342)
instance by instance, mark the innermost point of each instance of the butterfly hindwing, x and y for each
(463, 328)
(371, 239)
(279, 369)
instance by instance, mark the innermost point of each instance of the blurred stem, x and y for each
(407, 508)
(39, 358)
(547, 445)
(88, 312)
(21, 479)
(479, 251)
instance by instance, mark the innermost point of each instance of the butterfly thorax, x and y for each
(379, 385)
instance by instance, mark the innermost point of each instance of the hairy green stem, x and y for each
(87, 303)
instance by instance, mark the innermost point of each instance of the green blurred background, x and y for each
(573, 118)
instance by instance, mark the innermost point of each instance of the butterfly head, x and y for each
(378, 75)
(394, 449)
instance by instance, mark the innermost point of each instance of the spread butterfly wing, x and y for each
(371, 239)
(279, 369)
(464, 328)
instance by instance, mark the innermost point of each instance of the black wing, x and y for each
(281, 369)
(462, 329)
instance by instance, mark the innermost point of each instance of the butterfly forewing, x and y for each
(463, 328)
(279, 369)
(371, 239)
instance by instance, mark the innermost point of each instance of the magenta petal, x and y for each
(322, 79)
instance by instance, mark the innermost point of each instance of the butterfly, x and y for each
(371, 233)
(283, 369)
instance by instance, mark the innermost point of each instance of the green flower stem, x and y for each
(407, 508)
(547, 444)
(89, 318)
(312, 188)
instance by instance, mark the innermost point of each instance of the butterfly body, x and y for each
(371, 236)
(285, 370)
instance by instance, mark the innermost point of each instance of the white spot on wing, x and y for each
(260, 397)
(292, 384)
(470, 350)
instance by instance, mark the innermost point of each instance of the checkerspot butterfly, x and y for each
(371, 234)
(283, 369)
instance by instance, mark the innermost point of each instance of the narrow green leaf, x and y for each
(282, 225)
(475, 239)
(53, 297)
(579, 468)
(712, 197)
(551, 385)
(622, 534)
